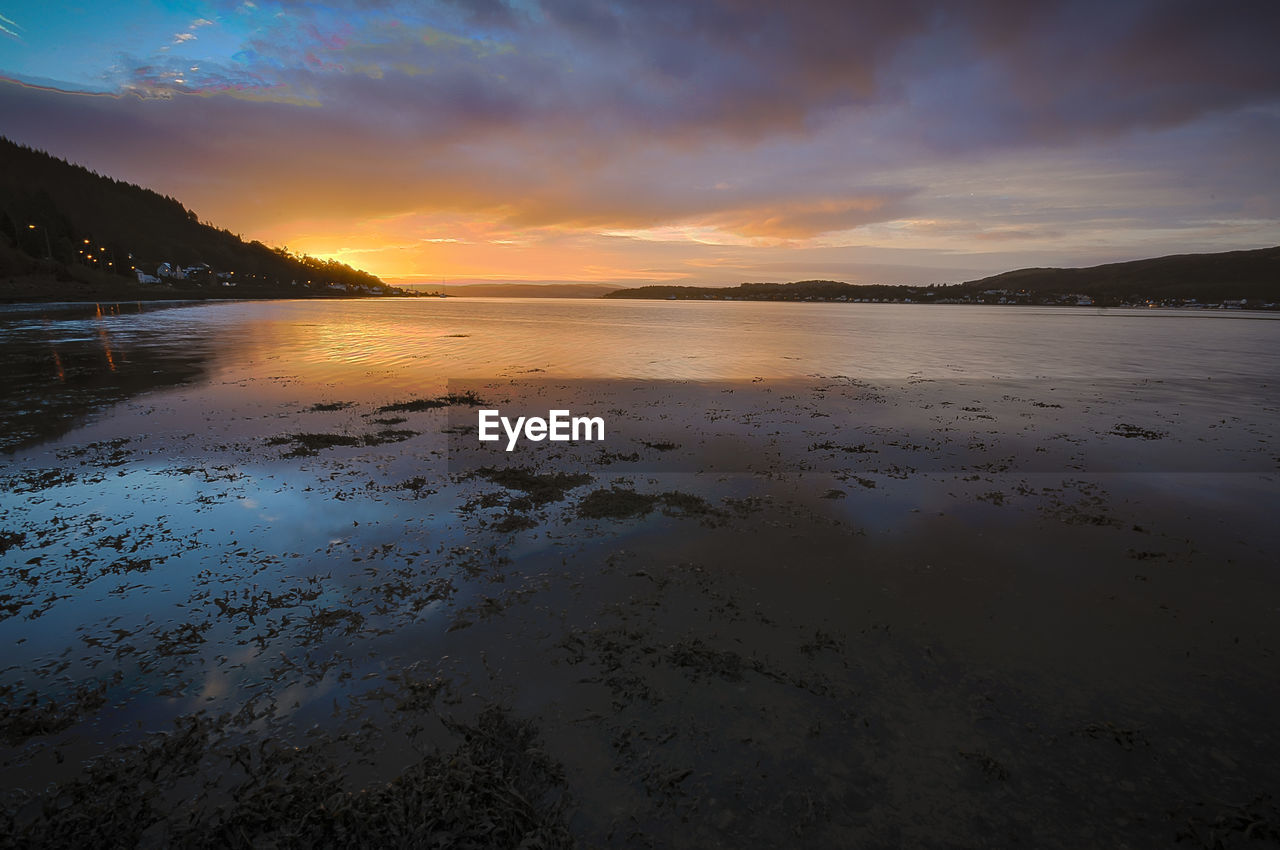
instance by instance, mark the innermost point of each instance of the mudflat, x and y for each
(263, 584)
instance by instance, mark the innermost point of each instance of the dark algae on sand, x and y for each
(804, 611)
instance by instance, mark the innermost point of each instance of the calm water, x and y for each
(68, 364)
(63, 363)
(437, 339)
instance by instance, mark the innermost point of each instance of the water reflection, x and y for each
(65, 362)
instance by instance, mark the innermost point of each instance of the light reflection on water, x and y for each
(63, 363)
(439, 338)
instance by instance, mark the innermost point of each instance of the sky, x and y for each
(673, 141)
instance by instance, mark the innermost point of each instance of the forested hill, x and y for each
(69, 225)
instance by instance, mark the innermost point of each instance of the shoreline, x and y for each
(291, 592)
(40, 289)
(678, 643)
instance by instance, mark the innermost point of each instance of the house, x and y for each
(143, 277)
(169, 270)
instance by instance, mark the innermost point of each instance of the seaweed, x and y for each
(26, 716)
(513, 522)
(660, 446)
(621, 503)
(1135, 432)
(539, 488)
(309, 443)
(11, 540)
(417, 405)
(497, 788)
(616, 503)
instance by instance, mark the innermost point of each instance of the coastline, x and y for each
(39, 289)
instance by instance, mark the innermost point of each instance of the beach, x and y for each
(1011, 583)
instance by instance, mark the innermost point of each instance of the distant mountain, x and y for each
(528, 290)
(802, 290)
(67, 231)
(1252, 275)
(1206, 278)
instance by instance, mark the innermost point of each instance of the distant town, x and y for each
(201, 274)
(69, 234)
(913, 295)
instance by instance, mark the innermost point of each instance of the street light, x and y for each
(47, 250)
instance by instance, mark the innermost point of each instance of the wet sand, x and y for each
(797, 611)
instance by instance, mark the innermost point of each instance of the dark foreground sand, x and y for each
(811, 613)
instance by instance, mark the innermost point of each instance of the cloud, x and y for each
(727, 123)
(10, 28)
(941, 78)
(812, 216)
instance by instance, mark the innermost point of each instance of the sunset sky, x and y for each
(673, 140)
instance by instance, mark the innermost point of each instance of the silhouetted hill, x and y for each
(802, 290)
(63, 226)
(1206, 278)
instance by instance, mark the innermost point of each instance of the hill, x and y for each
(68, 233)
(1252, 276)
(796, 291)
(802, 290)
